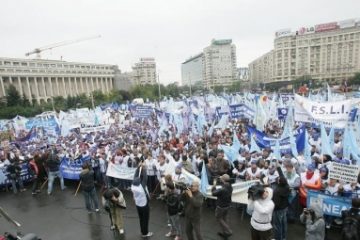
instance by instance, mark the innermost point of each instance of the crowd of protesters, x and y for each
(160, 163)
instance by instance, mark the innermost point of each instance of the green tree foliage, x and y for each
(355, 80)
(13, 97)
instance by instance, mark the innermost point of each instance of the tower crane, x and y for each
(37, 51)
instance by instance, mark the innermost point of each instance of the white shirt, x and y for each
(139, 195)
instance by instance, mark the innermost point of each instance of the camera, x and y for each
(255, 192)
(181, 186)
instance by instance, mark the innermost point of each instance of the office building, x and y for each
(325, 52)
(144, 72)
(192, 70)
(41, 80)
(219, 63)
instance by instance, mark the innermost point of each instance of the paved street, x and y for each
(62, 216)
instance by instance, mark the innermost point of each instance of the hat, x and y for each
(253, 162)
(311, 167)
(323, 169)
(225, 178)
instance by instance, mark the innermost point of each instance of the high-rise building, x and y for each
(327, 52)
(144, 72)
(215, 66)
(243, 74)
(192, 70)
(41, 80)
(219, 63)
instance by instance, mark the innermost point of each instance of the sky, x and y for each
(171, 31)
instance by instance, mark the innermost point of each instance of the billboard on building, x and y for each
(305, 30)
(326, 27)
(283, 32)
(347, 23)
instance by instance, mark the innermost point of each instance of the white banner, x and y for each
(344, 172)
(120, 172)
(239, 194)
(329, 113)
(94, 129)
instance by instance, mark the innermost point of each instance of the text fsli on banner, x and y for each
(334, 114)
(344, 172)
(331, 205)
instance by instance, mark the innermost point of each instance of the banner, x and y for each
(239, 194)
(49, 124)
(121, 172)
(329, 113)
(285, 145)
(344, 172)
(71, 169)
(241, 111)
(142, 111)
(331, 205)
(85, 129)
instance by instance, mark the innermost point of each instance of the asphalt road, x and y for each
(62, 216)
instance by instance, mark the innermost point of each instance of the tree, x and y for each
(98, 97)
(114, 96)
(13, 97)
(355, 80)
(25, 101)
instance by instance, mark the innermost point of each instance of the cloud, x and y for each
(169, 31)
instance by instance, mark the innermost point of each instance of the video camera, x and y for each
(256, 191)
(181, 186)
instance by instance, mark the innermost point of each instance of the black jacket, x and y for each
(223, 195)
(280, 197)
(87, 180)
(173, 203)
(53, 163)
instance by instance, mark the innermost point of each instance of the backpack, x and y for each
(351, 226)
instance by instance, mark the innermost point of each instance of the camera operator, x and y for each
(113, 201)
(223, 202)
(193, 200)
(315, 224)
(262, 207)
(351, 221)
(14, 170)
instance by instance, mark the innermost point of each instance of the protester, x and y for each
(193, 201)
(223, 203)
(313, 219)
(281, 200)
(173, 209)
(142, 198)
(53, 165)
(88, 187)
(262, 210)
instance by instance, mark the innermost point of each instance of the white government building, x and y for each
(43, 79)
(327, 52)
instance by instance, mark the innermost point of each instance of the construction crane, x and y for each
(37, 51)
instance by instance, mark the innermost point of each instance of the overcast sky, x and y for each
(168, 30)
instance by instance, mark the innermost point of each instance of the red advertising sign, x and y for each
(326, 27)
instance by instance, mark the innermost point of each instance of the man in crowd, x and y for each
(193, 200)
(88, 187)
(53, 165)
(223, 203)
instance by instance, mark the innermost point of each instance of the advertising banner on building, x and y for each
(329, 113)
(326, 27)
(283, 32)
(331, 205)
